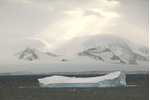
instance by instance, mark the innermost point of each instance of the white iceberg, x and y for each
(114, 79)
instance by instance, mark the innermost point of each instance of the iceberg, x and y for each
(114, 79)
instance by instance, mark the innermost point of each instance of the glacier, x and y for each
(114, 79)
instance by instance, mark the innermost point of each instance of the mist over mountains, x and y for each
(108, 49)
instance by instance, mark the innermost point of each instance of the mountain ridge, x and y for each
(103, 49)
(31, 54)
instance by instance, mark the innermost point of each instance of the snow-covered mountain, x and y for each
(108, 54)
(31, 54)
(110, 49)
(107, 49)
(27, 54)
(115, 50)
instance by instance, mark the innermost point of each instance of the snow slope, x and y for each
(94, 49)
(31, 54)
(114, 50)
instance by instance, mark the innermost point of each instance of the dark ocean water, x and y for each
(26, 87)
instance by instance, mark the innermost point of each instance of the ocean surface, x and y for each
(26, 87)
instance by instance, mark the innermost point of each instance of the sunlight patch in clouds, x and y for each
(53, 23)
(44, 43)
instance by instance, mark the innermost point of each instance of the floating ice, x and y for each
(115, 79)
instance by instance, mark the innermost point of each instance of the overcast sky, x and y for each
(48, 24)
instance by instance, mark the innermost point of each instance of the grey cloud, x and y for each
(135, 12)
(29, 19)
(24, 20)
(90, 12)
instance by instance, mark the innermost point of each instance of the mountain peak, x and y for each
(104, 49)
(31, 54)
(28, 47)
(28, 54)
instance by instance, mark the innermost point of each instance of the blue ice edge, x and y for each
(83, 85)
(119, 81)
